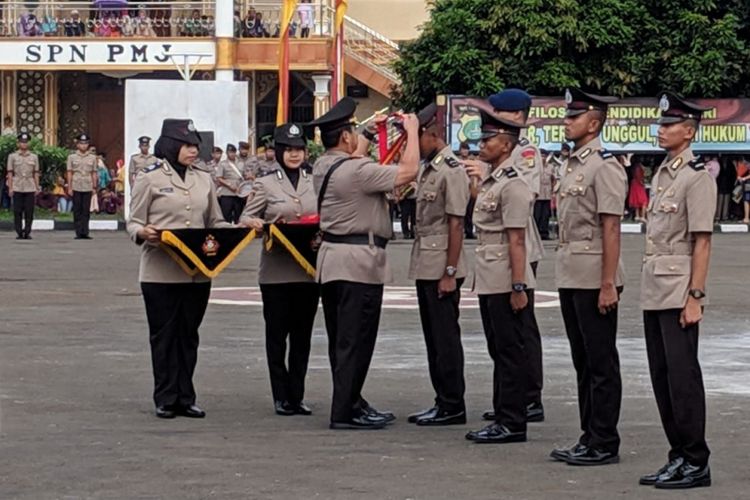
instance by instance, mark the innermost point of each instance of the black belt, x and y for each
(355, 239)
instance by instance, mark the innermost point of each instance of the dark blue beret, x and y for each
(510, 100)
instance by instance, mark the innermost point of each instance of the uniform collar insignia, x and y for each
(677, 163)
(437, 160)
(304, 172)
(279, 175)
(585, 153)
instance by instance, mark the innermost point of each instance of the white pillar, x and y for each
(224, 20)
(322, 94)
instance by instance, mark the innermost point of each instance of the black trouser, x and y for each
(23, 208)
(352, 315)
(81, 212)
(678, 383)
(174, 312)
(504, 330)
(542, 211)
(442, 336)
(469, 219)
(408, 216)
(592, 338)
(532, 346)
(289, 311)
(231, 207)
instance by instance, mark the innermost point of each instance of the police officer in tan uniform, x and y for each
(503, 278)
(589, 276)
(23, 185)
(142, 159)
(229, 177)
(82, 181)
(514, 105)
(268, 163)
(439, 268)
(673, 293)
(290, 295)
(213, 164)
(247, 163)
(172, 194)
(352, 264)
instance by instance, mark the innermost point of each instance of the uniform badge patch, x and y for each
(166, 190)
(510, 172)
(605, 154)
(452, 162)
(210, 247)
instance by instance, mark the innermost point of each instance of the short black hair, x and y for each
(331, 138)
(464, 145)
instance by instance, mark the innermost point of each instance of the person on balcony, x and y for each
(143, 25)
(74, 26)
(28, 25)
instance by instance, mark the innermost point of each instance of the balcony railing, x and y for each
(370, 48)
(107, 18)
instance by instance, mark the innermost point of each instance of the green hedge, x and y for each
(52, 159)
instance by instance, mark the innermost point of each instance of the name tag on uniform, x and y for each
(166, 190)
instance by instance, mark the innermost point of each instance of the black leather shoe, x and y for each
(686, 476)
(489, 416)
(191, 411)
(87, 237)
(302, 409)
(387, 416)
(442, 417)
(283, 408)
(496, 433)
(165, 412)
(430, 412)
(362, 422)
(561, 454)
(591, 456)
(666, 471)
(535, 412)
(19, 237)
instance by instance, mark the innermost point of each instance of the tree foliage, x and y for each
(698, 48)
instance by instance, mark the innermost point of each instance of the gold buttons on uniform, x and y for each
(660, 189)
(296, 200)
(433, 245)
(672, 268)
(569, 170)
(187, 193)
(187, 207)
(187, 222)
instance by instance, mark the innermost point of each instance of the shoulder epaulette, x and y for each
(523, 142)
(452, 162)
(152, 168)
(265, 173)
(605, 154)
(510, 172)
(697, 164)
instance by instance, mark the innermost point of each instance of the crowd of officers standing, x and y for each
(348, 190)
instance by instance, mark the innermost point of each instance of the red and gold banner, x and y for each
(288, 9)
(337, 87)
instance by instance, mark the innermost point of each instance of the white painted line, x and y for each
(43, 225)
(733, 228)
(631, 228)
(103, 225)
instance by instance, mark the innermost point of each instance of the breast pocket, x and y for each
(434, 242)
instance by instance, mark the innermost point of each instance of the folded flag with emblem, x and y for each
(207, 251)
(301, 238)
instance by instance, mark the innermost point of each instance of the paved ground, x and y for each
(76, 417)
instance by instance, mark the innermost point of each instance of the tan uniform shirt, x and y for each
(683, 203)
(23, 168)
(503, 202)
(82, 166)
(248, 163)
(545, 181)
(443, 190)
(273, 198)
(527, 161)
(231, 173)
(264, 166)
(138, 162)
(593, 183)
(161, 198)
(354, 203)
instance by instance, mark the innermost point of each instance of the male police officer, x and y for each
(514, 105)
(673, 291)
(439, 268)
(23, 185)
(229, 176)
(589, 276)
(142, 159)
(82, 180)
(351, 262)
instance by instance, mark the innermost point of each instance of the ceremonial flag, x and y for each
(208, 251)
(287, 13)
(299, 238)
(337, 90)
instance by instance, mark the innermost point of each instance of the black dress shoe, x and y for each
(190, 411)
(19, 237)
(489, 416)
(86, 237)
(686, 476)
(535, 412)
(496, 433)
(412, 419)
(283, 408)
(165, 412)
(302, 409)
(442, 417)
(591, 456)
(387, 416)
(667, 470)
(561, 454)
(363, 421)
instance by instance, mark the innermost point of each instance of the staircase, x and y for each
(369, 56)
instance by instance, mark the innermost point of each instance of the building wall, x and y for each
(396, 19)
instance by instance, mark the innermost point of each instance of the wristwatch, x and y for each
(519, 287)
(369, 134)
(697, 294)
(451, 271)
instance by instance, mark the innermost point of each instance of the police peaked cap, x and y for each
(579, 102)
(675, 109)
(289, 134)
(181, 130)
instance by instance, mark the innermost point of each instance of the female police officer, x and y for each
(290, 296)
(173, 194)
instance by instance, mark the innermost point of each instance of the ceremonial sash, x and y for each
(208, 251)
